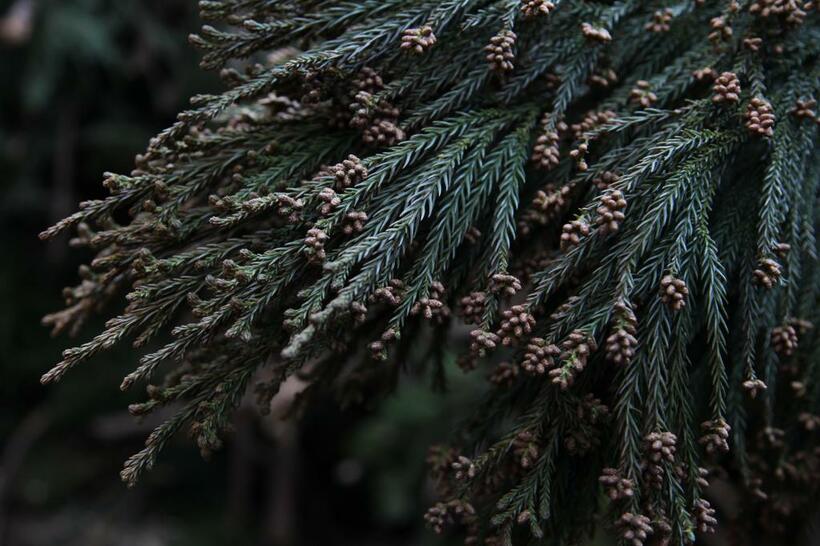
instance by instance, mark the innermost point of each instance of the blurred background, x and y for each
(85, 84)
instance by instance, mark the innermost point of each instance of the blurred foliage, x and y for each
(116, 70)
(393, 442)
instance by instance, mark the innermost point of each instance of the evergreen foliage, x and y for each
(619, 196)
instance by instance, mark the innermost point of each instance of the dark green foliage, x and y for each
(237, 245)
